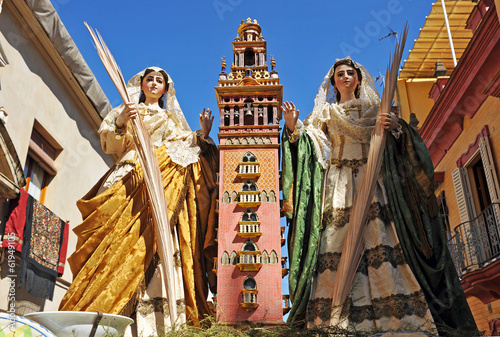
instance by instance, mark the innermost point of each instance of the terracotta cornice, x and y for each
(483, 283)
(257, 89)
(477, 14)
(248, 134)
(437, 88)
(439, 176)
(464, 158)
(253, 127)
(459, 97)
(244, 44)
(249, 146)
(493, 88)
(24, 17)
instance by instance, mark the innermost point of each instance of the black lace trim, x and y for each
(397, 305)
(373, 257)
(319, 307)
(339, 217)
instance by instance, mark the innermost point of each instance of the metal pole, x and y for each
(449, 34)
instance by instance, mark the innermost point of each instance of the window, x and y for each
(249, 215)
(36, 179)
(265, 257)
(476, 239)
(475, 181)
(236, 114)
(443, 208)
(249, 283)
(227, 116)
(40, 164)
(272, 196)
(263, 196)
(249, 186)
(249, 57)
(234, 197)
(225, 259)
(249, 246)
(234, 258)
(225, 198)
(249, 157)
(273, 257)
(248, 110)
(482, 195)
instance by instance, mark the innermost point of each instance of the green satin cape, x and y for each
(302, 183)
(408, 174)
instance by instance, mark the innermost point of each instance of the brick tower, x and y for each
(250, 236)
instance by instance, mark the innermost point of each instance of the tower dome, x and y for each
(249, 30)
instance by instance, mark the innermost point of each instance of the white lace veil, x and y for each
(367, 93)
(338, 122)
(169, 100)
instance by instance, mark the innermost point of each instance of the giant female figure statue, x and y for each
(406, 268)
(115, 265)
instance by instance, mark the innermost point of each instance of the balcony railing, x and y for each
(249, 170)
(249, 260)
(249, 229)
(249, 299)
(475, 243)
(286, 304)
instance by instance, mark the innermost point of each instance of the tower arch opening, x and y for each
(249, 57)
(249, 215)
(249, 283)
(250, 246)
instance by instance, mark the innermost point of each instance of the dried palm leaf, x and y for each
(353, 248)
(152, 177)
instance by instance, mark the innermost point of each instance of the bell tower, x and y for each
(250, 266)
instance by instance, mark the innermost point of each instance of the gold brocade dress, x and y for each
(115, 262)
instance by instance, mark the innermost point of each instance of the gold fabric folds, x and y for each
(116, 242)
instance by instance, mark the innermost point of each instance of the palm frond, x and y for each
(353, 245)
(152, 176)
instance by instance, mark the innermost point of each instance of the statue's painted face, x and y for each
(153, 85)
(346, 79)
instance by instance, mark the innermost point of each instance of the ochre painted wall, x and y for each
(414, 97)
(487, 114)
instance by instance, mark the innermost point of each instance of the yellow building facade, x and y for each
(456, 109)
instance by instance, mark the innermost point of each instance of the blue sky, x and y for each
(188, 39)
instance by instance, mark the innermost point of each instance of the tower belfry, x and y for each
(250, 266)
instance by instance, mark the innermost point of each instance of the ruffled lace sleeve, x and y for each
(114, 140)
(315, 125)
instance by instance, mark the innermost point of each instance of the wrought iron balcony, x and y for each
(476, 243)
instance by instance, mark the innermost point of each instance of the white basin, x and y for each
(79, 323)
(19, 326)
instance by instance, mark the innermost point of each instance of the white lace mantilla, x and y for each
(354, 119)
(163, 128)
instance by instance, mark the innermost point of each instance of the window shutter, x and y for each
(489, 169)
(463, 194)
